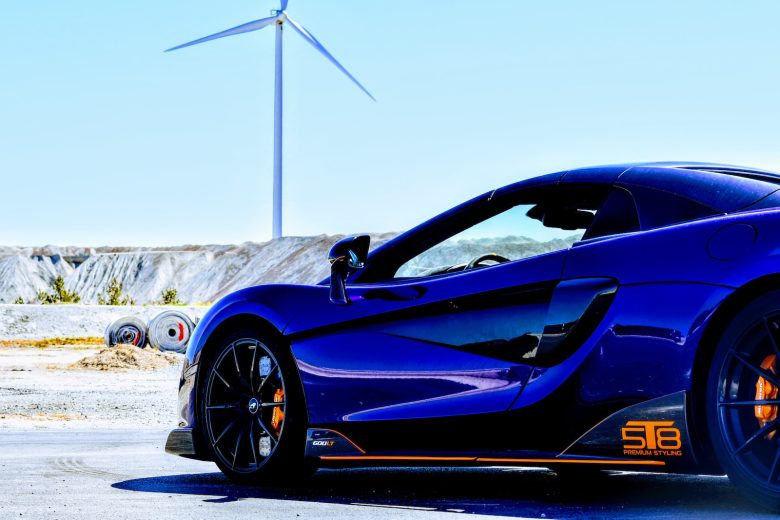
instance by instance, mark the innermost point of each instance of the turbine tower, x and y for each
(279, 18)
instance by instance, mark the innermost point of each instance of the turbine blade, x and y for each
(247, 27)
(284, 5)
(309, 37)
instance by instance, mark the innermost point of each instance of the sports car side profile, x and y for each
(607, 317)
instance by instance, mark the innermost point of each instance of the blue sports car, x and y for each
(615, 317)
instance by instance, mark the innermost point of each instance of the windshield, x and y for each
(510, 235)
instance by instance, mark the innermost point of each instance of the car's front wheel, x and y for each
(742, 400)
(251, 409)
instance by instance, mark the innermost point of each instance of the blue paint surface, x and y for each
(463, 344)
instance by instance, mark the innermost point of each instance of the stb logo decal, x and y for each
(655, 438)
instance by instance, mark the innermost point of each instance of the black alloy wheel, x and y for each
(743, 409)
(252, 415)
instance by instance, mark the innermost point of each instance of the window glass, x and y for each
(659, 208)
(617, 215)
(518, 232)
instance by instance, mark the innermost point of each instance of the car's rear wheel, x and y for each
(252, 411)
(742, 400)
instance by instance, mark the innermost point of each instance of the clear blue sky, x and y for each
(104, 139)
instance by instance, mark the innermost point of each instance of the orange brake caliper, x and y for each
(764, 391)
(278, 414)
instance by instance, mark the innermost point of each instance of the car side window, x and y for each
(522, 231)
(658, 208)
(617, 215)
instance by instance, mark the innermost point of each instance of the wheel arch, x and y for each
(248, 321)
(716, 325)
(237, 321)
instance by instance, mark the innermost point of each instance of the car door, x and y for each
(457, 347)
(435, 345)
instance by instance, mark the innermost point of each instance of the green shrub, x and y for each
(59, 294)
(114, 296)
(170, 296)
(19, 301)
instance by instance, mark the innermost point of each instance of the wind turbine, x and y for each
(279, 17)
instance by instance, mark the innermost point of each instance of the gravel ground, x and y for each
(37, 391)
(79, 443)
(124, 474)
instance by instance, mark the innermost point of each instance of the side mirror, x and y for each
(346, 256)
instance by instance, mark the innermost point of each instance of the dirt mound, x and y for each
(127, 357)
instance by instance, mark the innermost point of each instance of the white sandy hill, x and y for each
(198, 273)
(205, 273)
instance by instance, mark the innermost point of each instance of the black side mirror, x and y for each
(346, 256)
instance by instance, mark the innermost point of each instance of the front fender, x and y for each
(255, 301)
(275, 304)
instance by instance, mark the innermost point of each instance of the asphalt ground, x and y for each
(62, 474)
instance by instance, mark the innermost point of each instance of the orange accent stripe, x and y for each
(361, 450)
(485, 459)
(580, 461)
(392, 457)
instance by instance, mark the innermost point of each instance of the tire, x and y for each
(745, 431)
(126, 331)
(249, 378)
(170, 331)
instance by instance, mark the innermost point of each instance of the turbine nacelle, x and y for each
(283, 8)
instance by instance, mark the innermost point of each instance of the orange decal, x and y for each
(361, 450)
(605, 462)
(395, 457)
(577, 461)
(656, 438)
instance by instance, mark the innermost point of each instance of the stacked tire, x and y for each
(126, 331)
(169, 331)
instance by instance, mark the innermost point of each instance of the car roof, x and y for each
(723, 187)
